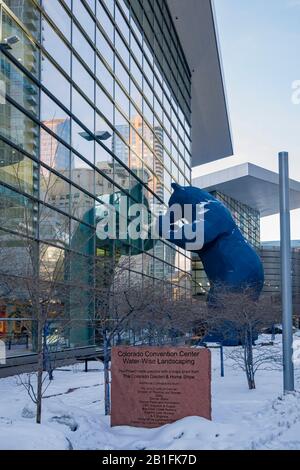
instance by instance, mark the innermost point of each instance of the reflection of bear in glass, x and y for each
(228, 259)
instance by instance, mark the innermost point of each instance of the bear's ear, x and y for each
(176, 186)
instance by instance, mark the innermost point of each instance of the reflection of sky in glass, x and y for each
(127, 106)
(166, 119)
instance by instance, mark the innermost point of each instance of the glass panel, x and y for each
(83, 48)
(136, 73)
(104, 104)
(125, 7)
(121, 74)
(104, 132)
(136, 95)
(104, 188)
(82, 174)
(54, 227)
(122, 49)
(104, 161)
(83, 110)
(121, 99)
(59, 15)
(16, 328)
(53, 153)
(148, 114)
(103, 185)
(82, 205)
(17, 170)
(17, 127)
(54, 190)
(18, 86)
(122, 176)
(122, 125)
(110, 5)
(53, 268)
(25, 51)
(124, 28)
(104, 76)
(28, 14)
(120, 149)
(85, 19)
(55, 82)
(17, 212)
(136, 143)
(104, 49)
(92, 4)
(136, 165)
(83, 79)
(82, 142)
(53, 117)
(82, 241)
(105, 22)
(56, 47)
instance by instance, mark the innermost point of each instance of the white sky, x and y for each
(260, 46)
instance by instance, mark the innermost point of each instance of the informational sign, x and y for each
(153, 386)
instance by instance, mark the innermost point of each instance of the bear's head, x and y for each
(202, 204)
(184, 195)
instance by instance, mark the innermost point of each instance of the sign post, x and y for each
(154, 386)
(286, 274)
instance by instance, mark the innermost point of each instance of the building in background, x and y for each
(270, 255)
(250, 193)
(99, 101)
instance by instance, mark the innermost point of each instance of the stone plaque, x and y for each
(153, 386)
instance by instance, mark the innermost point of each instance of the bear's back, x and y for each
(231, 260)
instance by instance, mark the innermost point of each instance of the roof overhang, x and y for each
(195, 25)
(251, 185)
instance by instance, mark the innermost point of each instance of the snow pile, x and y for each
(275, 420)
(31, 436)
(73, 416)
(190, 433)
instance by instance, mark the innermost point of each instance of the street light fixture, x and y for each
(101, 135)
(9, 42)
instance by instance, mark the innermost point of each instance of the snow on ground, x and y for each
(73, 416)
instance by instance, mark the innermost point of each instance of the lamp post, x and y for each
(286, 280)
(9, 42)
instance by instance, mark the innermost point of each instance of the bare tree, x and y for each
(35, 267)
(240, 315)
(264, 357)
(35, 278)
(126, 301)
(168, 319)
(120, 297)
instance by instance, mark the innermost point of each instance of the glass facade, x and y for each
(97, 105)
(248, 221)
(270, 256)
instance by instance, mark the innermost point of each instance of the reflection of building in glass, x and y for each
(246, 218)
(103, 111)
(270, 255)
(119, 147)
(55, 154)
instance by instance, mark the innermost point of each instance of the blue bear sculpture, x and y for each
(228, 259)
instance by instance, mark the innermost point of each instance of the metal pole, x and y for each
(286, 279)
(222, 360)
